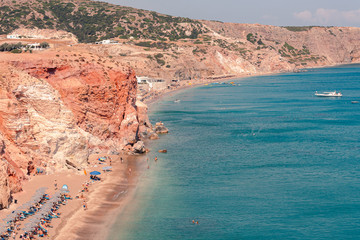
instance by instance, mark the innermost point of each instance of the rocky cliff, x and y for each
(54, 113)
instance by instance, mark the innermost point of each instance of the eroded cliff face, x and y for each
(54, 113)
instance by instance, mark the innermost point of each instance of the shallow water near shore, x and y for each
(262, 160)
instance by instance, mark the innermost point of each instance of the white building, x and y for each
(153, 83)
(34, 46)
(107, 41)
(13, 36)
(142, 80)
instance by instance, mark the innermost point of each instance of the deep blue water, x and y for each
(265, 159)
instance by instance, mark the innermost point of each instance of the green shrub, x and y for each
(160, 62)
(16, 51)
(251, 38)
(288, 47)
(44, 45)
(159, 55)
(260, 42)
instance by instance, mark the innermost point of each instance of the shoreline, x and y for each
(105, 202)
(119, 189)
(168, 92)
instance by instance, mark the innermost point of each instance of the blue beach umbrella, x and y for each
(95, 173)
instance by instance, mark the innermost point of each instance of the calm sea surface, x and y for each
(264, 159)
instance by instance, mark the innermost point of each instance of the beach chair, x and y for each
(43, 229)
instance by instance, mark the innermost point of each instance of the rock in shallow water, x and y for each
(160, 128)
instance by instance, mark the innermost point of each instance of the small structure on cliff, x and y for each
(107, 41)
(15, 36)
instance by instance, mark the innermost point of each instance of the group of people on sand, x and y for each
(95, 178)
(36, 219)
(84, 190)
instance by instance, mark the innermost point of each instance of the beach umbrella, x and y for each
(65, 188)
(95, 173)
(107, 168)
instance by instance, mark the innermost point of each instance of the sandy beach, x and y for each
(104, 199)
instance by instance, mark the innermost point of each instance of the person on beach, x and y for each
(84, 205)
(55, 184)
(121, 159)
(130, 171)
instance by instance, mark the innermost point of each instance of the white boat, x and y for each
(328, 94)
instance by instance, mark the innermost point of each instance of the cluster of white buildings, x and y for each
(13, 36)
(157, 83)
(34, 46)
(17, 36)
(107, 41)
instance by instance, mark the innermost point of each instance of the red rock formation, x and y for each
(102, 100)
(56, 113)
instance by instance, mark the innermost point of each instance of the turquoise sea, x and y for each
(264, 159)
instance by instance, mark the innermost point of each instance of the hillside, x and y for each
(183, 48)
(91, 21)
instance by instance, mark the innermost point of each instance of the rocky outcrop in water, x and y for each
(160, 128)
